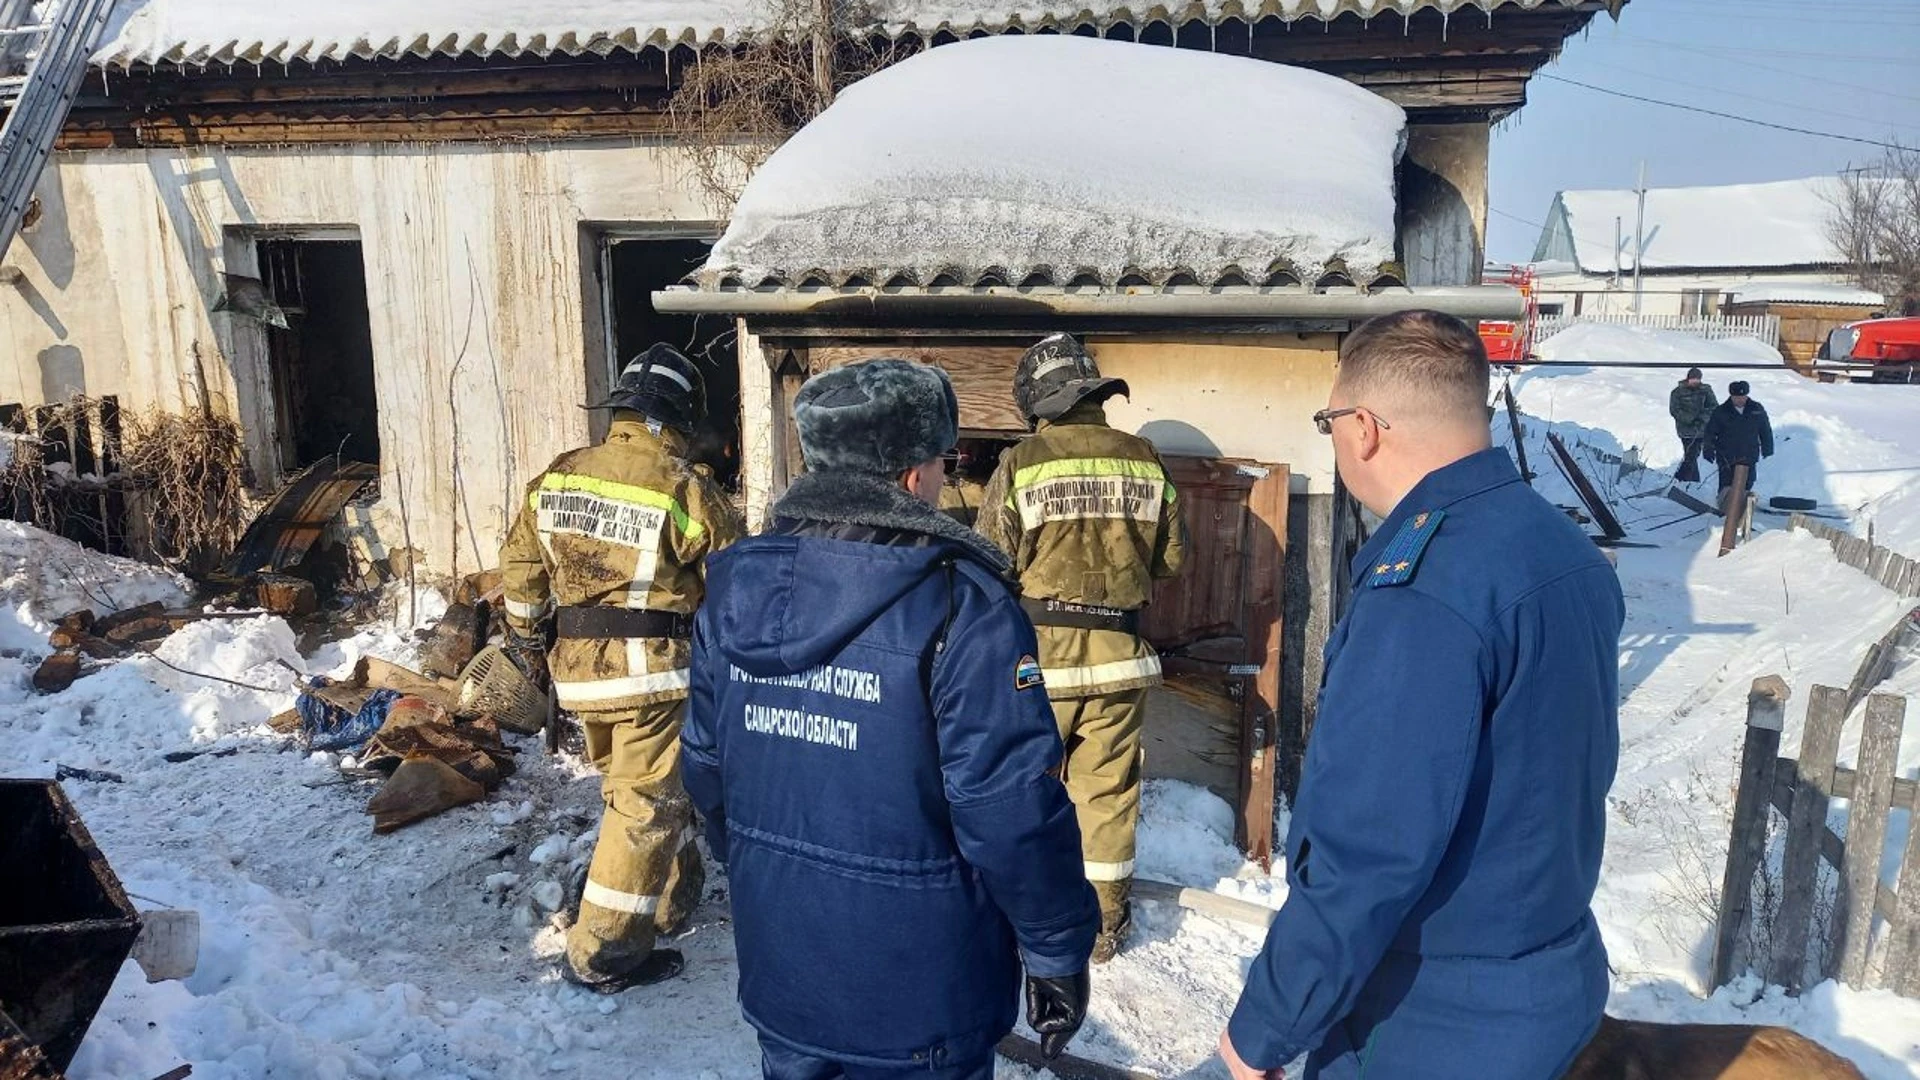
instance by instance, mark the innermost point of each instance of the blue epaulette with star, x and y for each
(1402, 556)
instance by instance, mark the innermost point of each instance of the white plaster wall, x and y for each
(1221, 397)
(475, 284)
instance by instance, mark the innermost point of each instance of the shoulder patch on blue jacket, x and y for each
(1402, 555)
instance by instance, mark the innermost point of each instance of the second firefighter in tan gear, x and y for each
(1090, 519)
(611, 541)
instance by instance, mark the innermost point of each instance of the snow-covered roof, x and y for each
(1056, 159)
(1806, 292)
(1728, 226)
(200, 32)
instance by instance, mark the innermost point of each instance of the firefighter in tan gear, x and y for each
(1090, 518)
(614, 538)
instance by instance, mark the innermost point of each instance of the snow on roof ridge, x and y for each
(209, 32)
(1805, 292)
(971, 174)
(1775, 223)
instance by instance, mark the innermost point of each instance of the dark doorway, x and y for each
(638, 266)
(322, 361)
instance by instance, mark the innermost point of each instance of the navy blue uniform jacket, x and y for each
(869, 740)
(1446, 841)
(1735, 436)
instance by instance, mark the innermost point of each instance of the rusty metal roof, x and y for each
(202, 33)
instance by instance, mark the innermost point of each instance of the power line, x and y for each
(1822, 80)
(1737, 94)
(1854, 58)
(1722, 115)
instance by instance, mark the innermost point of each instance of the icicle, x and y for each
(1446, 22)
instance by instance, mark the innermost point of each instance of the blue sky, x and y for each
(1843, 66)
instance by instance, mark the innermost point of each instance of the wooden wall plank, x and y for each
(1903, 925)
(1266, 541)
(1799, 873)
(982, 377)
(1867, 831)
(1766, 716)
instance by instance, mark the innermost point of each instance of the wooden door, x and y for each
(1217, 627)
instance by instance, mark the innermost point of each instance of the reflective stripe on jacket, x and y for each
(624, 524)
(1087, 514)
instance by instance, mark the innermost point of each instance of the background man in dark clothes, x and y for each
(1690, 404)
(1445, 845)
(869, 738)
(1739, 433)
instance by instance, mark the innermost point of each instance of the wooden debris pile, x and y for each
(423, 740)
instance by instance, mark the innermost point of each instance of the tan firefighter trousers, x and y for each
(1102, 774)
(646, 876)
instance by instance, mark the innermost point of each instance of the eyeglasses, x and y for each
(1325, 417)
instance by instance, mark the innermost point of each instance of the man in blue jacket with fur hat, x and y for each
(869, 739)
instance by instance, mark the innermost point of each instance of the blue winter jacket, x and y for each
(1446, 842)
(869, 741)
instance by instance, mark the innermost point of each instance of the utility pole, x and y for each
(1639, 236)
(1618, 243)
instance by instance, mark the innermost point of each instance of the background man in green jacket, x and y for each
(1690, 404)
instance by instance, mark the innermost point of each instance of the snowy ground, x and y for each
(331, 953)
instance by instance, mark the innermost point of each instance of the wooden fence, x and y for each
(1803, 939)
(1711, 327)
(61, 472)
(1882, 564)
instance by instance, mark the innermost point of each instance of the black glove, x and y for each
(1056, 1007)
(1707, 452)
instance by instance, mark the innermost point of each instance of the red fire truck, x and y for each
(1892, 346)
(1511, 341)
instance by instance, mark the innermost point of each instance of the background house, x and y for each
(1705, 246)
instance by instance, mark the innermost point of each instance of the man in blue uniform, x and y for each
(869, 738)
(1447, 837)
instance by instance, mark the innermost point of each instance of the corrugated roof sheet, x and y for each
(195, 33)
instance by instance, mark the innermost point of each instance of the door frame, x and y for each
(250, 351)
(601, 365)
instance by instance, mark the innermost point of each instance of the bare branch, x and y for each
(735, 107)
(1874, 225)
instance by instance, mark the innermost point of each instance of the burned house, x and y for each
(959, 206)
(419, 235)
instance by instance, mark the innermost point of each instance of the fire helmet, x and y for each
(1056, 375)
(661, 384)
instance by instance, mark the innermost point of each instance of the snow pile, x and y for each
(1731, 225)
(1845, 445)
(1058, 153)
(43, 577)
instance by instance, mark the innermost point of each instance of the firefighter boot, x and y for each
(1116, 918)
(641, 854)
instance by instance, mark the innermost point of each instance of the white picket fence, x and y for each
(1710, 327)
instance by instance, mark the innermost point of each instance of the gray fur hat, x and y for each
(881, 416)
